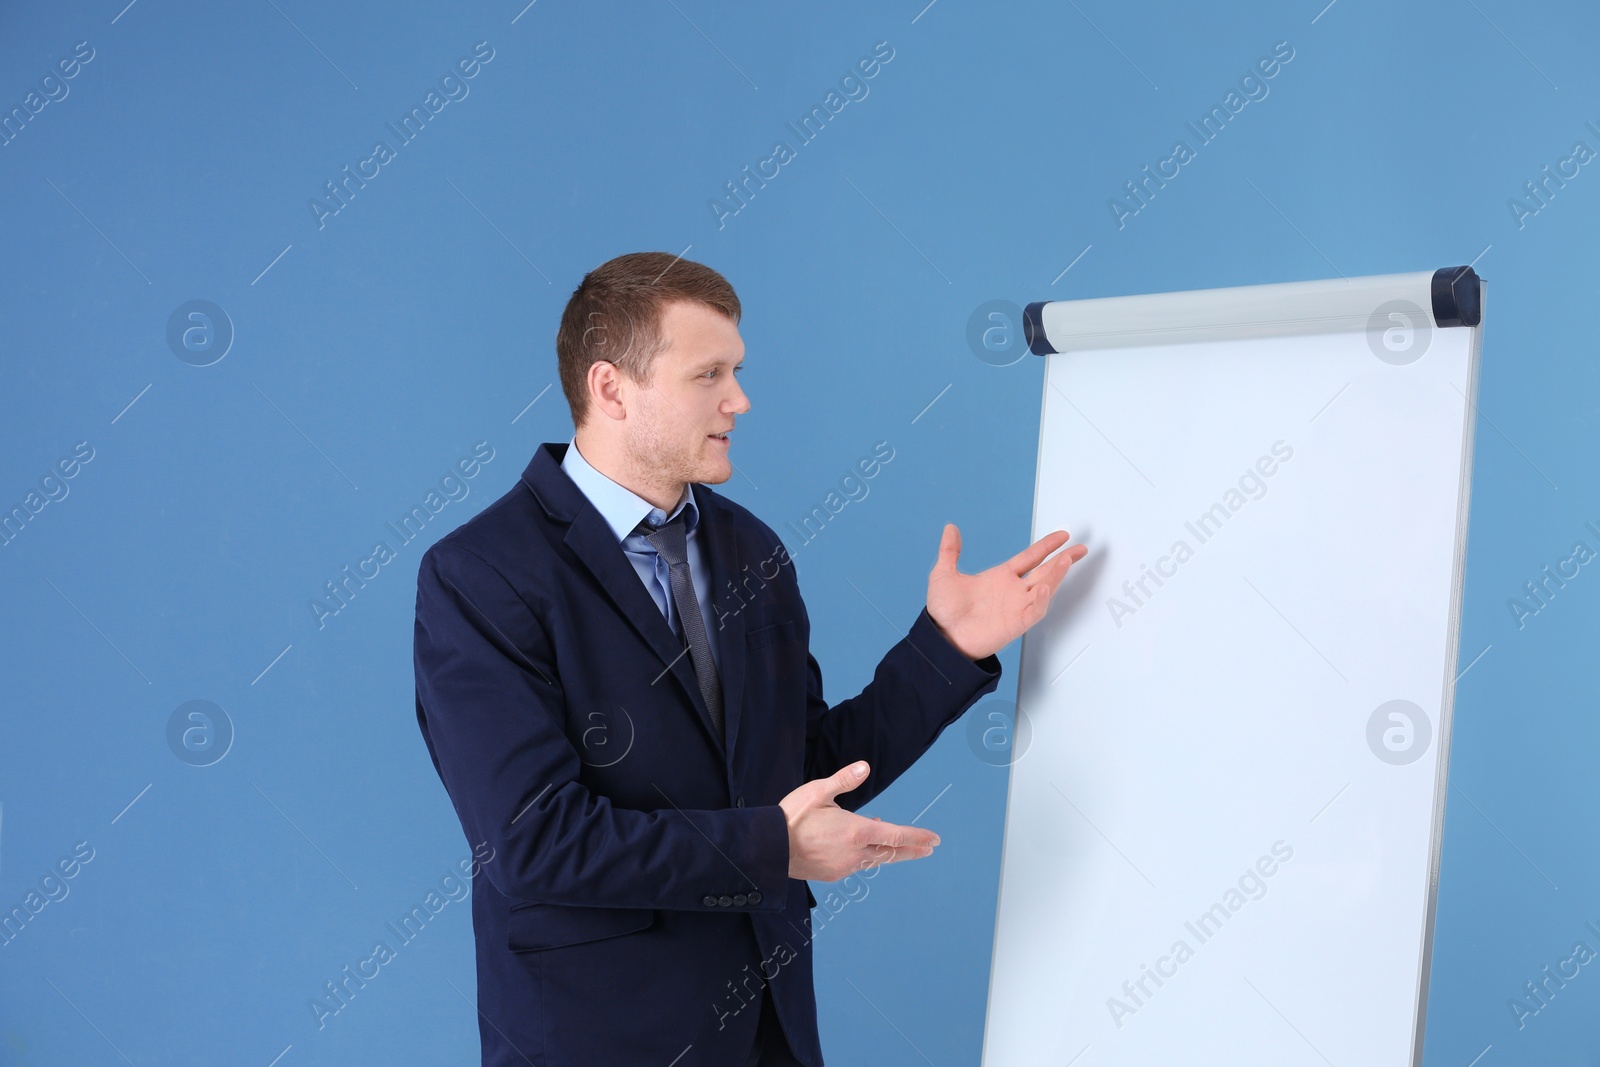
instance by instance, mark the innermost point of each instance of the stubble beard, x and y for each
(658, 449)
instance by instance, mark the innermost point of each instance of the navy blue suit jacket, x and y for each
(639, 895)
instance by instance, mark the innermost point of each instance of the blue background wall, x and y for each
(372, 350)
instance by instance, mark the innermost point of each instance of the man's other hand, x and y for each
(827, 843)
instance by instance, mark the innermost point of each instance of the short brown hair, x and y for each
(615, 314)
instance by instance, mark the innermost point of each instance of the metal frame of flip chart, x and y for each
(1231, 745)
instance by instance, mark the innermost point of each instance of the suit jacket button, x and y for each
(754, 898)
(709, 901)
(724, 901)
(740, 899)
(739, 803)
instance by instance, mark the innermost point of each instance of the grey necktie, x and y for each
(668, 540)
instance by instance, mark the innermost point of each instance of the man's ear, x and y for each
(604, 382)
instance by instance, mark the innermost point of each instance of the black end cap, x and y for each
(1457, 298)
(1033, 329)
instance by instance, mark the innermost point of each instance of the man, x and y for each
(615, 685)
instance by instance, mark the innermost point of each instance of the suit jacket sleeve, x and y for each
(494, 714)
(922, 685)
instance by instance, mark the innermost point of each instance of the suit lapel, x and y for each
(593, 541)
(719, 543)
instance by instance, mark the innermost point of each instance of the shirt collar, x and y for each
(621, 507)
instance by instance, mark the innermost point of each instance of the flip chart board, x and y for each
(1229, 762)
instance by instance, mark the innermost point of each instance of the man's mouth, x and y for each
(720, 437)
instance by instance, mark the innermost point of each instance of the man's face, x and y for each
(692, 394)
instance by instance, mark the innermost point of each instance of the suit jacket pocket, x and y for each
(541, 926)
(769, 635)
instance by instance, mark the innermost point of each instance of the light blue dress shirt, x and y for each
(622, 509)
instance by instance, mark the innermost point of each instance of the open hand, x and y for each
(827, 843)
(982, 613)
